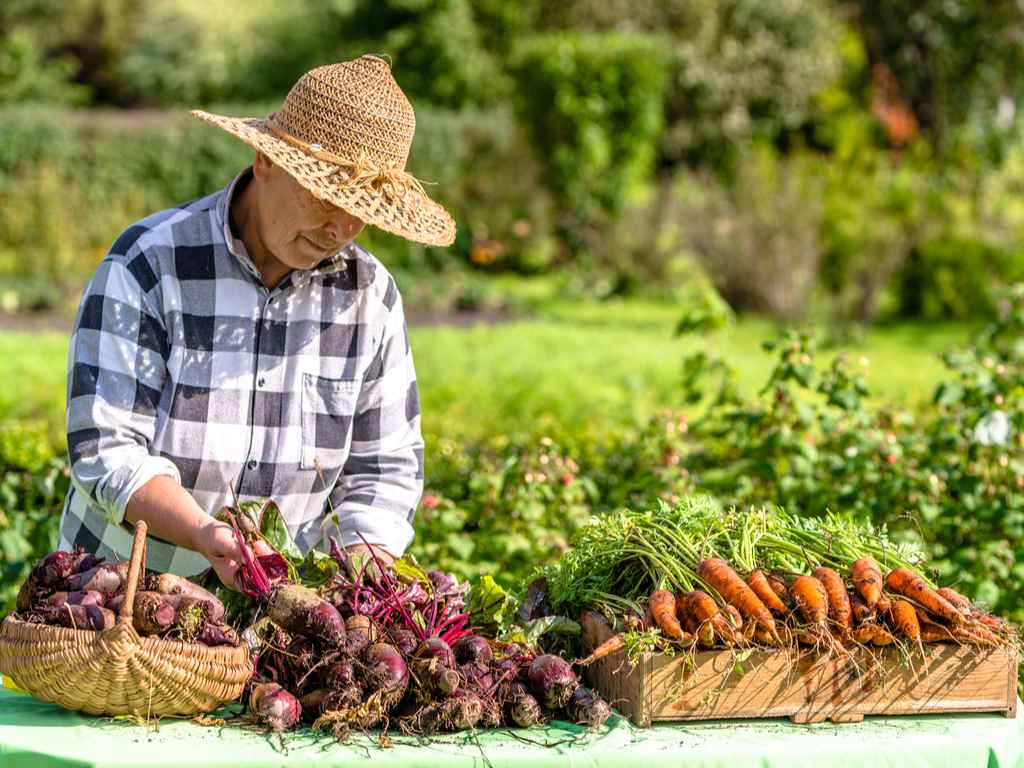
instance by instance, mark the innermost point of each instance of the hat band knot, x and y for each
(358, 174)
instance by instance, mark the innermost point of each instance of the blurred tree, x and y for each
(948, 58)
(47, 47)
(593, 105)
(738, 69)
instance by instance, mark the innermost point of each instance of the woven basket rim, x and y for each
(69, 634)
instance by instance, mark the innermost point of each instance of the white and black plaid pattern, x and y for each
(182, 363)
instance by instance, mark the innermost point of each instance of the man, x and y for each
(244, 344)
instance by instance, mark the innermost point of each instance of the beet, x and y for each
(299, 610)
(385, 671)
(274, 706)
(404, 640)
(108, 579)
(360, 632)
(552, 681)
(587, 708)
(472, 648)
(91, 617)
(313, 704)
(437, 649)
(460, 712)
(443, 584)
(170, 584)
(213, 634)
(153, 613)
(521, 708)
(340, 675)
(75, 598)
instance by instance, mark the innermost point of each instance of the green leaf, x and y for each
(558, 625)
(273, 529)
(409, 570)
(488, 605)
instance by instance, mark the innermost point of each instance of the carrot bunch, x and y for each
(821, 609)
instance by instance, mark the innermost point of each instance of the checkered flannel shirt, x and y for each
(182, 363)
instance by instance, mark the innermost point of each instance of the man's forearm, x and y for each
(170, 512)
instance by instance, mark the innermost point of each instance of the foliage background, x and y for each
(617, 169)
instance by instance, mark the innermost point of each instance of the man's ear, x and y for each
(261, 166)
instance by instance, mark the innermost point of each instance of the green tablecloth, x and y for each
(36, 734)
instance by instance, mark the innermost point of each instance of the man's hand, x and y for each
(359, 554)
(216, 542)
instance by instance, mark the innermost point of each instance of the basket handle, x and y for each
(135, 570)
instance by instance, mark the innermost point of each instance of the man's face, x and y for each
(296, 228)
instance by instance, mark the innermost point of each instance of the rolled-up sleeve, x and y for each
(375, 497)
(116, 371)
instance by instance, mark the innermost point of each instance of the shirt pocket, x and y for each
(328, 407)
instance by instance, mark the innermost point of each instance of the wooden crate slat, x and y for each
(713, 685)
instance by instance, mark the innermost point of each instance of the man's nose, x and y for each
(343, 227)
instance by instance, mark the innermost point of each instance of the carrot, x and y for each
(663, 610)
(763, 588)
(872, 634)
(839, 609)
(732, 615)
(778, 584)
(867, 580)
(957, 600)
(978, 616)
(905, 582)
(859, 609)
(612, 645)
(933, 633)
(811, 598)
(734, 590)
(703, 609)
(761, 637)
(905, 619)
(976, 634)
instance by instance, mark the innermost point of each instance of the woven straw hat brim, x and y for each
(407, 213)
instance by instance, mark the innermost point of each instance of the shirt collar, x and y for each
(330, 265)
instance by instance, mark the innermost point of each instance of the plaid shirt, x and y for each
(182, 363)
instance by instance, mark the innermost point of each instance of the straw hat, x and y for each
(344, 133)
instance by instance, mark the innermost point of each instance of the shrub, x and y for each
(593, 106)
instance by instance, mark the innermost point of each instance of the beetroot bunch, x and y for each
(81, 591)
(372, 647)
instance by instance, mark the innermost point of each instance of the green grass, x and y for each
(576, 365)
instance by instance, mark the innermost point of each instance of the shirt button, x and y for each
(251, 464)
(260, 381)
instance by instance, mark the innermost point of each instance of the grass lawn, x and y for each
(571, 365)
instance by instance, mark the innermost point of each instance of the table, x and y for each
(37, 734)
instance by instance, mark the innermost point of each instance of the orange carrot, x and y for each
(779, 585)
(734, 590)
(703, 631)
(703, 609)
(758, 582)
(762, 637)
(933, 633)
(839, 609)
(612, 645)
(872, 634)
(976, 634)
(811, 598)
(905, 582)
(905, 619)
(663, 610)
(732, 615)
(957, 600)
(978, 616)
(859, 609)
(867, 580)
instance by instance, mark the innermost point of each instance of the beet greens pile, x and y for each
(378, 646)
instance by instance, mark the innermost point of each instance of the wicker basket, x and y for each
(116, 672)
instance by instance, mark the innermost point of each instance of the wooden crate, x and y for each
(805, 687)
